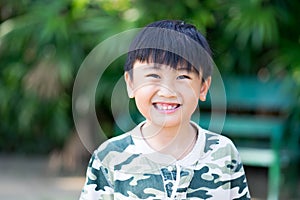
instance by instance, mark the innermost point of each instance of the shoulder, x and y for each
(117, 144)
(215, 143)
(117, 150)
(220, 150)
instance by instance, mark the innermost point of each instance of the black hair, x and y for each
(173, 43)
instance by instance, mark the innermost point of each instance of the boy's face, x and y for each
(165, 96)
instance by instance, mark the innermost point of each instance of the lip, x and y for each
(166, 107)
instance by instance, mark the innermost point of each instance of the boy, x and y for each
(167, 156)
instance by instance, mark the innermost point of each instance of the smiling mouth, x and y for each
(166, 106)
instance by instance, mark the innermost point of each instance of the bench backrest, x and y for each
(249, 94)
(255, 110)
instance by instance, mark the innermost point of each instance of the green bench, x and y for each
(257, 120)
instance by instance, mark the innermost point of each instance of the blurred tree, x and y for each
(43, 43)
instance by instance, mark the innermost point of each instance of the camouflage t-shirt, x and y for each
(125, 167)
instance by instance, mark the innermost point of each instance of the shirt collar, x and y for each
(142, 147)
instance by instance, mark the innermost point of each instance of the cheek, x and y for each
(144, 92)
(191, 92)
(191, 96)
(143, 108)
(143, 98)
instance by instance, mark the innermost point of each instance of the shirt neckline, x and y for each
(190, 159)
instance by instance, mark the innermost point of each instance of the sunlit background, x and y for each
(44, 42)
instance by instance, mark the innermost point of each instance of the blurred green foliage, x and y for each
(44, 42)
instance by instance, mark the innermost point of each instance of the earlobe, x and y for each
(129, 85)
(204, 89)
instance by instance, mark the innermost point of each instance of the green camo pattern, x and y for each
(118, 170)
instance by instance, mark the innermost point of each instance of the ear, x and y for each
(129, 85)
(204, 88)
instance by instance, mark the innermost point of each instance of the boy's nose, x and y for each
(166, 91)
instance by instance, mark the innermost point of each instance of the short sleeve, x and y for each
(239, 186)
(223, 153)
(97, 185)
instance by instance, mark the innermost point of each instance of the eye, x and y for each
(183, 77)
(152, 76)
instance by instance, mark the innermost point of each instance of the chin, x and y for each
(166, 122)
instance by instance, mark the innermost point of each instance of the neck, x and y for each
(176, 141)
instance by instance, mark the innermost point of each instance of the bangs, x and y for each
(159, 56)
(171, 48)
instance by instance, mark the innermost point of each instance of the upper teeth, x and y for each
(166, 107)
